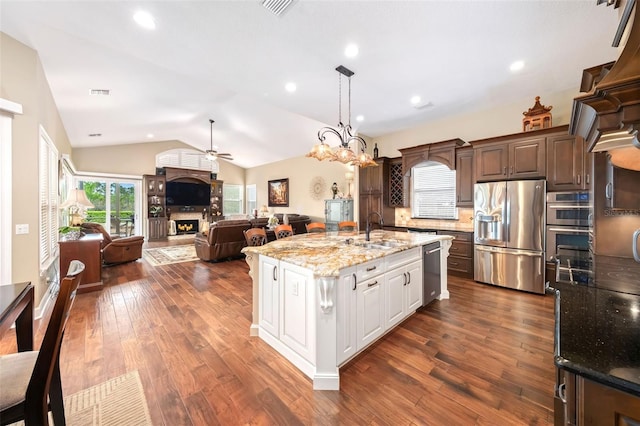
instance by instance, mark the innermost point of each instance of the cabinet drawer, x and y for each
(402, 258)
(370, 269)
(462, 265)
(461, 248)
(458, 235)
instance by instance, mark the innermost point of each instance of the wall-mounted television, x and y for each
(188, 194)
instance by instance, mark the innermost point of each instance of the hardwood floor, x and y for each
(483, 357)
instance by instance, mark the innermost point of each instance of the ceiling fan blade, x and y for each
(223, 154)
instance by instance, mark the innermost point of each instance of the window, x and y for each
(232, 199)
(48, 192)
(252, 203)
(433, 194)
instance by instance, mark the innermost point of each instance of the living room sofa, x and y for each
(225, 238)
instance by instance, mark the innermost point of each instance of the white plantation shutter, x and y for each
(433, 192)
(251, 198)
(232, 199)
(48, 199)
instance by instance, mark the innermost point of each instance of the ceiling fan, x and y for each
(211, 154)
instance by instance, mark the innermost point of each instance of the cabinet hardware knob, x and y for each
(405, 278)
(371, 268)
(586, 178)
(409, 275)
(372, 284)
(579, 179)
(275, 273)
(355, 281)
(454, 263)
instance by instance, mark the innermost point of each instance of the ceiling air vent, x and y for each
(277, 7)
(100, 92)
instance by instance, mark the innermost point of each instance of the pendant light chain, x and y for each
(349, 122)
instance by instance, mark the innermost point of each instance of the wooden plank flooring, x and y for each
(483, 357)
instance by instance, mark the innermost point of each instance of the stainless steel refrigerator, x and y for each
(509, 232)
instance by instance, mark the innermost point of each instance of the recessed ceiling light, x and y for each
(145, 20)
(360, 118)
(516, 66)
(100, 92)
(351, 51)
(290, 87)
(415, 100)
(149, 135)
(95, 135)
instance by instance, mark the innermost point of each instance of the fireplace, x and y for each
(187, 226)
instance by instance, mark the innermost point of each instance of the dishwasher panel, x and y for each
(431, 272)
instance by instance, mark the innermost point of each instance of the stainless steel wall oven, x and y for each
(567, 242)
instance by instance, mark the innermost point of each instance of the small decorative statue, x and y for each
(334, 189)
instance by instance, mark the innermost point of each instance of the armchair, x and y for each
(116, 250)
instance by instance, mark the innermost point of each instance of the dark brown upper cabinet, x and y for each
(464, 177)
(568, 163)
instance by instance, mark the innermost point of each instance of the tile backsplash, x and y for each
(465, 220)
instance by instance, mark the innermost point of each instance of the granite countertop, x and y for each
(598, 335)
(327, 253)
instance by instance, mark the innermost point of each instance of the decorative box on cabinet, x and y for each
(464, 177)
(460, 260)
(568, 163)
(88, 250)
(336, 211)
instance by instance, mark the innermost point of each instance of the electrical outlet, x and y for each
(22, 228)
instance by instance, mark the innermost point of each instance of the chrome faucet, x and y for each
(368, 228)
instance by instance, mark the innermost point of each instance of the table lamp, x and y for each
(77, 202)
(264, 210)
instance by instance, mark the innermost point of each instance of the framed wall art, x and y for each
(278, 193)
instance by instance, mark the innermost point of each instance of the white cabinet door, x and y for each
(395, 282)
(413, 289)
(297, 313)
(370, 321)
(346, 314)
(269, 295)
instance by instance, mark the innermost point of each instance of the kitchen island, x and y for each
(320, 299)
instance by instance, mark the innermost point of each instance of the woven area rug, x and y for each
(170, 254)
(116, 402)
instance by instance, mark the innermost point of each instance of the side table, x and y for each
(88, 250)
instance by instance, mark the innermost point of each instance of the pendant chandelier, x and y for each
(352, 147)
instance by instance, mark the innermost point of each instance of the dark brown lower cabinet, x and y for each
(594, 404)
(460, 260)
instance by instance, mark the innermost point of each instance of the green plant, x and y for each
(66, 229)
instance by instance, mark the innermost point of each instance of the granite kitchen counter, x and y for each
(598, 335)
(327, 253)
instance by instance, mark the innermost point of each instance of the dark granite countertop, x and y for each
(598, 335)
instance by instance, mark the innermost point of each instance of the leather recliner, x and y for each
(116, 250)
(225, 239)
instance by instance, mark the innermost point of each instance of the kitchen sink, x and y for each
(380, 244)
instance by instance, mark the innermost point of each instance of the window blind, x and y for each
(433, 192)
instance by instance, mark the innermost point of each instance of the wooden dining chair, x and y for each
(316, 227)
(347, 225)
(283, 231)
(255, 236)
(30, 379)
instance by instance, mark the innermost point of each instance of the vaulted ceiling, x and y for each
(230, 61)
